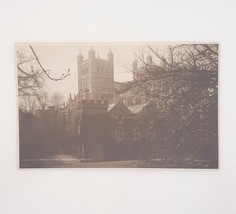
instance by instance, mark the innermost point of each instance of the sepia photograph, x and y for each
(118, 105)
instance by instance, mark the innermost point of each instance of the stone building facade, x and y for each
(96, 76)
(103, 131)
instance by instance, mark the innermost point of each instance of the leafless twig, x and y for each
(47, 72)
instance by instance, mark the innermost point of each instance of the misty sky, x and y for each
(61, 57)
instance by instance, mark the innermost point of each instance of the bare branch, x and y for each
(47, 72)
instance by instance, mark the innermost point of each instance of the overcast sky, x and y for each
(61, 57)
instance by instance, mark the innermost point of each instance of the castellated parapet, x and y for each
(93, 103)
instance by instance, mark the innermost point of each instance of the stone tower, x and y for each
(96, 76)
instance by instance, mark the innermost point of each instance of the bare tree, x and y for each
(57, 100)
(184, 88)
(28, 104)
(30, 78)
(31, 81)
(43, 99)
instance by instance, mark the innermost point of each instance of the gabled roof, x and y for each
(121, 86)
(135, 109)
(110, 106)
(119, 108)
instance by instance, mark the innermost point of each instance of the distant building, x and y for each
(96, 76)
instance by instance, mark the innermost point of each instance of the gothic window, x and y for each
(120, 133)
(136, 133)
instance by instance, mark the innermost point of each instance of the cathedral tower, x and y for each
(96, 76)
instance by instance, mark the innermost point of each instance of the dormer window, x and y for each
(120, 119)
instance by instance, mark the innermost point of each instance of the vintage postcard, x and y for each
(125, 105)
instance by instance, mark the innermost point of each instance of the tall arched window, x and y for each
(120, 119)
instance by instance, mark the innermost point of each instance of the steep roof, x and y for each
(119, 109)
(137, 108)
(121, 86)
(110, 106)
